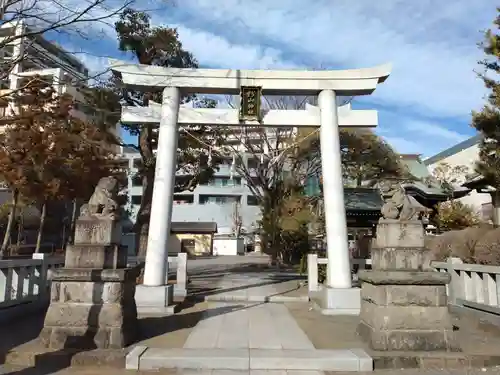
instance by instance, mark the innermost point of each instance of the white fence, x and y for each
(472, 285)
(312, 269)
(25, 280)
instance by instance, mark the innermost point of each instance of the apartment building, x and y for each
(464, 154)
(215, 201)
(23, 57)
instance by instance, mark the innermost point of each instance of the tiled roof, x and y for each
(364, 199)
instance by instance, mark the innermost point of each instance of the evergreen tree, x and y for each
(160, 46)
(487, 121)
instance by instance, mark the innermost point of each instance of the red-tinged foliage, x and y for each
(45, 152)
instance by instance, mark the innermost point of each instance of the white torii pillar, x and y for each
(328, 84)
(163, 190)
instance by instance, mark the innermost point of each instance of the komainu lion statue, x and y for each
(103, 202)
(400, 206)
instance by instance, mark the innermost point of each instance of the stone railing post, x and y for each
(181, 274)
(453, 291)
(43, 276)
(312, 272)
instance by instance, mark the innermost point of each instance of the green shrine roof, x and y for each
(429, 188)
(363, 199)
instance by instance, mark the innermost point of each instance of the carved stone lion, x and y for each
(103, 202)
(399, 205)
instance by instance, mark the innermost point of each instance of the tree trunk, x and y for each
(12, 215)
(73, 221)
(141, 227)
(19, 227)
(40, 229)
(142, 221)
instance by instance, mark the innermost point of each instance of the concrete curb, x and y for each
(256, 359)
(272, 299)
(133, 357)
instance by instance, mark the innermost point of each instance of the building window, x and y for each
(137, 163)
(225, 181)
(136, 199)
(188, 246)
(220, 199)
(137, 180)
(253, 163)
(4, 83)
(252, 200)
(183, 199)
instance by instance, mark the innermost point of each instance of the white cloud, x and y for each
(217, 51)
(429, 129)
(405, 146)
(431, 44)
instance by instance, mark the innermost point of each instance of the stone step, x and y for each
(255, 298)
(254, 359)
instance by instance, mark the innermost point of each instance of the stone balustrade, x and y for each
(312, 269)
(25, 283)
(472, 285)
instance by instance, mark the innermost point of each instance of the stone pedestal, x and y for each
(92, 301)
(403, 302)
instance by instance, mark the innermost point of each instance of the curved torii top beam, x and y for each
(273, 82)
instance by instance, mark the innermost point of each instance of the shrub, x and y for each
(453, 215)
(488, 248)
(441, 246)
(471, 245)
(465, 243)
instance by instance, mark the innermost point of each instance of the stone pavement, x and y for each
(241, 331)
(231, 323)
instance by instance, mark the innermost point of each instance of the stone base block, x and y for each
(339, 301)
(408, 339)
(92, 292)
(91, 309)
(406, 311)
(405, 317)
(400, 277)
(401, 258)
(404, 295)
(87, 338)
(97, 231)
(155, 299)
(90, 325)
(96, 256)
(397, 233)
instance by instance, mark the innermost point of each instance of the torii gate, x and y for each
(250, 83)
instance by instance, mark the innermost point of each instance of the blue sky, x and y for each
(425, 104)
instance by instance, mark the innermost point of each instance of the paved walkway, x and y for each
(240, 331)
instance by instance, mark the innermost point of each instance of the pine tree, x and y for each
(487, 121)
(160, 46)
